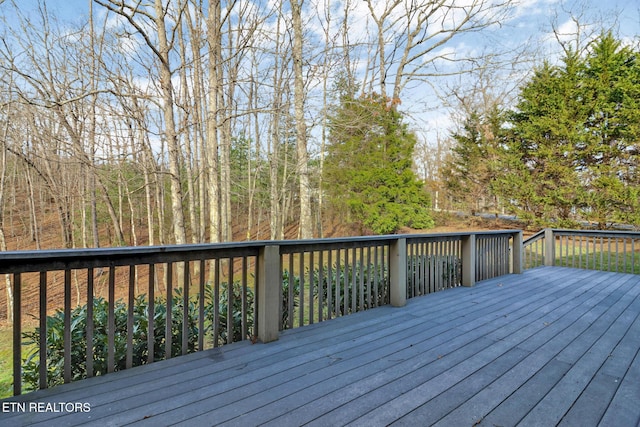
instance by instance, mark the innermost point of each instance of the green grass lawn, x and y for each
(6, 360)
(604, 261)
(591, 259)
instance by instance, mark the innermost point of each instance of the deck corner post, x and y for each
(469, 260)
(268, 293)
(398, 272)
(518, 250)
(549, 247)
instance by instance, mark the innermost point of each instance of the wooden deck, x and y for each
(553, 346)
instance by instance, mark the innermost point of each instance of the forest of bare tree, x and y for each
(181, 121)
(177, 121)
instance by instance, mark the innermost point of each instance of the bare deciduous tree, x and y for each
(305, 220)
(410, 36)
(142, 19)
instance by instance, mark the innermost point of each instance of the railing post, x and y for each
(398, 272)
(517, 253)
(269, 293)
(549, 247)
(469, 260)
(17, 334)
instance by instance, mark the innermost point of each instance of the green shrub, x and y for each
(239, 332)
(286, 316)
(140, 350)
(441, 271)
(371, 294)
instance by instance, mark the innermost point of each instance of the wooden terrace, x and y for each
(551, 346)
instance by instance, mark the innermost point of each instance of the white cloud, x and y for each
(528, 8)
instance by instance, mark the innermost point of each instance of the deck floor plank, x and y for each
(179, 394)
(587, 354)
(548, 341)
(533, 370)
(255, 403)
(552, 346)
(512, 407)
(623, 408)
(257, 409)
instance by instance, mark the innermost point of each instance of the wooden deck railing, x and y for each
(120, 307)
(588, 249)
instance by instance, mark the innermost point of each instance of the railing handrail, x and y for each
(598, 233)
(608, 250)
(537, 236)
(567, 231)
(24, 261)
(435, 261)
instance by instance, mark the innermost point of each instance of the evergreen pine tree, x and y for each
(368, 169)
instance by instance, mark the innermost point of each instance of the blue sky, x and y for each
(530, 26)
(536, 12)
(531, 23)
(534, 16)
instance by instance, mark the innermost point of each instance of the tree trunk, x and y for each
(3, 242)
(173, 147)
(214, 41)
(33, 217)
(306, 221)
(275, 223)
(188, 157)
(199, 124)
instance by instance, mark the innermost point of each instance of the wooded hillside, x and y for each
(185, 117)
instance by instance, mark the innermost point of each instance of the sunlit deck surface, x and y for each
(551, 346)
